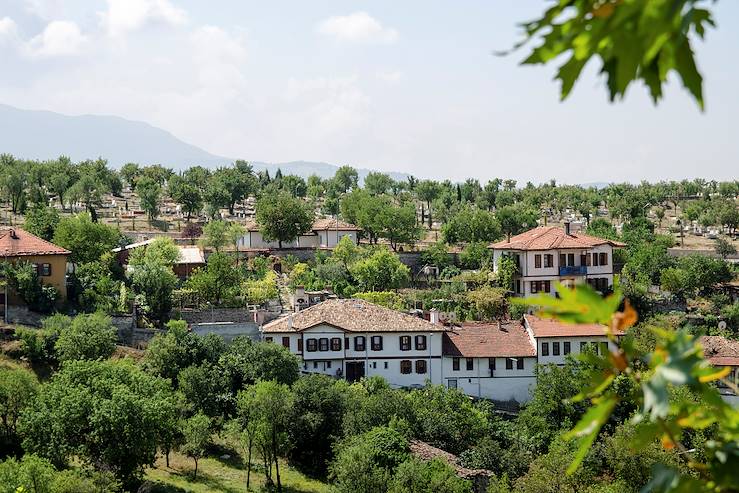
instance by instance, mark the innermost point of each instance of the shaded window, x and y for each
(546, 286)
(566, 348)
(420, 366)
(603, 348)
(570, 259)
(452, 383)
(537, 261)
(311, 345)
(323, 344)
(595, 259)
(509, 363)
(603, 258)
(376, 343)
(44, 270)
(300, 345)
(286, 342)
(336, 344)
(268, 339)
(534, 286)
(406, 366)
(519, 364)
(420, 343)
(469, 363)
(491, 363)
(562, 260)
(328, 364)
(315, 365)
(386, 365)
(359, 342)
(548, 260)
(405, 343)
(455, 364)
(545, 349)
(555, 349)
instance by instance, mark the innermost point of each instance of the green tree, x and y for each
(87, 240)
(515, 219)
(282, 217)
(215, 235)
(153, 283)
(399, 225)
(471, 225)
(415, 476)
(217, 282)
(89, 337)
(169, 353)
(107, 414)
(346, 178)
(149, 192)
(273, 404)
(187, 193)
(489, 302)
(130, 172)
(724, 248)
(427, 191)
(377, 183)
(18, 388)
(475, 256)
(41, 221)
(196, 431)
(380, 271)
(206, 389)
(246, 362)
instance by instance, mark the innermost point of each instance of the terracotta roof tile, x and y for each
(353, 316)
(720, 351)
(545, 327)
(551, 237)
(488, 340)
(16, 242)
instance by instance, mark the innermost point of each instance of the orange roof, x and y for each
(488, 340)
(545, 327)
(720, 351)
(551, 237)
(16, 242)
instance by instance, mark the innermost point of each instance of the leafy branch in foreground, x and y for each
(635, 40)
(677, 360)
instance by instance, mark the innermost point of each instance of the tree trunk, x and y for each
(166, 456)
(248, 466)
(277, 462)
(195, 476)
(279, 244)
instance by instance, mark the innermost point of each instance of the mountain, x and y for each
(31, 134)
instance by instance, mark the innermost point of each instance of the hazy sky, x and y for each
(406, 86)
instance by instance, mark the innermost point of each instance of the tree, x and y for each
(489, 302)
(282, 217)
(380, 271)
(41, 221)
(88, 189)
(106, 414)
(238, 182)
(169, 353)
(217, 282)
(206, 389)
(14, 181)
(89, 337)
(18, 388)
(196, 431)
(187, 193)
(427, 191)
(377, 183)
(437, 254)
(87, 240)
(215, 235)
(399, 225)
(246, 425)
(475, 256)
(624, 36)
(154, 282)
(246, 362)
(130, 172)
(273, 404)
(435, 475)
(346, 178)
(234, 234)
(515, 219)
(471, 225)
(149, 192)
(724, 248)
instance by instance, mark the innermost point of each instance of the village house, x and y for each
(550, 254)
(191, 257)
(49, 260)
(325, 233)
(721, 353)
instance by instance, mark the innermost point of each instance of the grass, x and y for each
(227, 475)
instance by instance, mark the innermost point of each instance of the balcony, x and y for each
(573, 270)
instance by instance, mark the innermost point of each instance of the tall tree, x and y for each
(282, 217)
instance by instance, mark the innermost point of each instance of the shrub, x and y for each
(89, 337)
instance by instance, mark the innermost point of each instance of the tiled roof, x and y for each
(321, 224)
(427, 452)
(16, 242)
(720, 351)
(488, 340)
(545, 327)
(551, 237)
(353, 316)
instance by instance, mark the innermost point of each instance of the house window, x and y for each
(374, 364)
(359, 343)
(534, 286)
(315, 365)
(420, 343)
(376, 343)
(562, 260)
(566, 348)
(346, 343)
(311, 345)
(491, 363)
(595, 259)
(546, 286)
(555, 349)
(583, 345)
(421, 366)
(300, 345)
(603, 348)
(537, 261)
(328, 365)
(455, 364)
(336, 344)
(545, 349)
(268, 339)
(603, 258)
(571, 259)
(323, 344)
(518, 286)
(469, 364)
(286, 342)
(584, 258)
(519, 363)
(385, 365)
(509, 363)
(452, 383)
(548, 260)
(405, 343)
(406, 366)
(45, 270)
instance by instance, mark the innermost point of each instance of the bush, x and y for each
(260, 291)
(489, 302)
(89, 337)
(436, 475)
(475, 256)
(23, 279)
(388, 299)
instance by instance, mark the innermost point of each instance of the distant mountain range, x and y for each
(31, 134)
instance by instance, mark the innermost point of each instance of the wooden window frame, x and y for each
(555, 348)
(311, 345)
(545, 349)
(455, 364)
(376, 343)
(323, 344)
(421, 366)
(519, 363)
(336, 344)
(360, 343)
(469, 364)
(566, 348)
(509, 363)
(405, 343)
(537, 261)
(406, 366)
(420, 341)
(286, 341)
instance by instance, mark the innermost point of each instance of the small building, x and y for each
(191, 257)
(491, 360)
(555, 340)
(721, 353)
(325, 233)
(302, 299)
(550, 254)
(49, 260)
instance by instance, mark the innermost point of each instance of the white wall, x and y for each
(574, 347)
(254, 239)
(330, 238)
(503, 385)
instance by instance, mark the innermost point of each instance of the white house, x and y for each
(491, 360)
(325, 233)
(722, 352)
(353, 338)
(550, 254)
(554, 340)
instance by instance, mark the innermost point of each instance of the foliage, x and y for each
(695, 274)
(388, 299)
(282, 217)
(724, 248)
(87, 240)
(437, 254)
(475, 256)
(602, 228)
(260, 291)
(436, 475)
(471, 225)
(196, 431)
(41, 221)
(246, 362)
(206, 389)
(215, 235)
(489, 302)
(162, 251)
(169, 353)
(154, 283)
(217, 282)
(379, 271)
(18, 387)
(23, 278)
(107, 414)
(88, 337)
(515, 219)
(149, 192)
(636, 40)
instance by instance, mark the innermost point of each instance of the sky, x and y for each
(410, 86)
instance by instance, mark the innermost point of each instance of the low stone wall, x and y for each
(21, 315)
(232, 315)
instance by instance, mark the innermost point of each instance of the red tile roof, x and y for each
(488, 340)
(545, 327)
(720, 351)
(551, 237)
(16, 242)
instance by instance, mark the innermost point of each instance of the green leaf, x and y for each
(588, 427)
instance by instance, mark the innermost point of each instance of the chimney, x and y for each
(13, 234)
(434, 316)
(567, 228)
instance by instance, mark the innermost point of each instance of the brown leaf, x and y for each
(625, 319)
